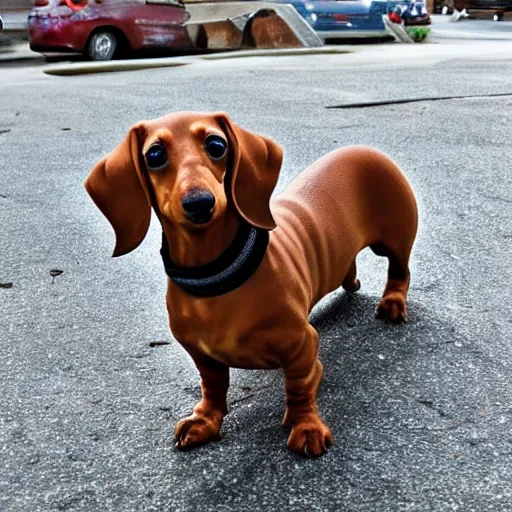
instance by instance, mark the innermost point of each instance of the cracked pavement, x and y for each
(92, 381)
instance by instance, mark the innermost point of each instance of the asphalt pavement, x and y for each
(421, 413)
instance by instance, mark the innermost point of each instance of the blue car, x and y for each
(333, 19)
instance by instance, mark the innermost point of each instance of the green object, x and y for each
(418, 34)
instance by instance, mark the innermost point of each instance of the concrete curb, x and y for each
(8, 57)
(138, 64)
(464, 36)
(114, 66)
(278, 52)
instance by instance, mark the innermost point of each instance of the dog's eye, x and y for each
(215, 146)
(156, 157)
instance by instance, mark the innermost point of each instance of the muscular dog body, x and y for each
(348, 200)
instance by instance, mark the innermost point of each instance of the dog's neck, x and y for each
(193, 248)
(214, 262)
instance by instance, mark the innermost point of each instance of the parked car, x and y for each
(334, 19)
(103, 28)
(1, 24)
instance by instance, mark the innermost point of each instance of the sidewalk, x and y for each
(443, 28)
(14, 37)
(16, 51)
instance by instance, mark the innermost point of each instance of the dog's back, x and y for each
(350, 199)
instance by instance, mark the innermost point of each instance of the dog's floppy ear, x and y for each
(117, 186)
(255, 162)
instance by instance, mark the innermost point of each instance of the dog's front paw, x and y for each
(392, 307)
(311, 438)
(196, 430)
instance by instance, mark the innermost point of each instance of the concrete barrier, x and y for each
(228, 24)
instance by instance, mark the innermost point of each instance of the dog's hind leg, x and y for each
(393, 306)
(351, 283)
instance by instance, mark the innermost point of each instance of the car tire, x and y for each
(102, 46)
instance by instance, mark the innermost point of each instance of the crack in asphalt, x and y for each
(430, 405)
(383, 103)
(253, 392)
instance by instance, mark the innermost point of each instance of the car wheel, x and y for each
(102, 46)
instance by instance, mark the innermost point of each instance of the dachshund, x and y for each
(243, 271)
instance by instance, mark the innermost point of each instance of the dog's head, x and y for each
(189, 167)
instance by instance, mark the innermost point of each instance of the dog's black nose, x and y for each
(198, 206)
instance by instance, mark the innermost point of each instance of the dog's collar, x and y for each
(229, 271)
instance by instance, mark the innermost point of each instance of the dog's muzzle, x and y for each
(198, 206)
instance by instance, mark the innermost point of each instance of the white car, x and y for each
(1, 24)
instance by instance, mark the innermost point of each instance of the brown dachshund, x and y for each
(243, 272)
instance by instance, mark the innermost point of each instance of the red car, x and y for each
(103, 28)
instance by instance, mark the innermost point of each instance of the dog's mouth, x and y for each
(200, 218)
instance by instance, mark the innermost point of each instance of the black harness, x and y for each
(229, 271)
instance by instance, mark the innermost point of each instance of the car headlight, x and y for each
(313, 17)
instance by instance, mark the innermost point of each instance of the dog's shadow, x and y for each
(357, 349)
(366, 364)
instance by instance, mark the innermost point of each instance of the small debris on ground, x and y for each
(54, 273)
(6, 285)
(159, 343)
